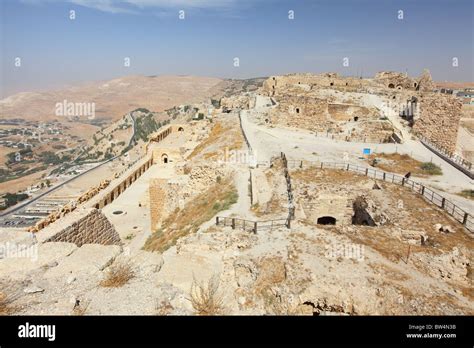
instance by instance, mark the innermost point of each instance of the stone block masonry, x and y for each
(157, 193)
(439, 120)
(90, 228)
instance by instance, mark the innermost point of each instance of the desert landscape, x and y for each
(298, 194)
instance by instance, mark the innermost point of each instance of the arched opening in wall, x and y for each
(393, 97)
(112, 197)
(297, 110)
(415, 85)
(164, 158)
(399, 87)
(347, 84)
(391, 85)
(326, 220)
(180, 129)
(266, 120)
(331, 84)
(299, 83)
(356, 118)
(97, 206)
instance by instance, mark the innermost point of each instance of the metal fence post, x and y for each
(233, 223)
(464, 219)
(443, 201)
(217, 220)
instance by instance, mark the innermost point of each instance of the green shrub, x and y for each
(431, 168)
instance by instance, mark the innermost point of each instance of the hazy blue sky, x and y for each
(56, 51)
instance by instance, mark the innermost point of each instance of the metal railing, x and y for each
(454, 159)
(251, 225)
(291, 205)
(449, 207)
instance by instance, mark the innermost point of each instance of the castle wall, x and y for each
(90, 227)
(157, 192)
(439, 119)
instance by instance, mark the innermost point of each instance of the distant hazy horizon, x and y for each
(350, 37)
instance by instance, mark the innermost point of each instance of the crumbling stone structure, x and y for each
(91, 228)
(439, 120)
(303, 103)
(157, 192)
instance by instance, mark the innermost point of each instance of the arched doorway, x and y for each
(164, 158)
(391, 85)
(326, 220)
(180, 129)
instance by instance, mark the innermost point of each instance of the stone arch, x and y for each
(180, 129)
(399, 87)
(164, 158)
(326, 220)
(391, 85)
(297, 110)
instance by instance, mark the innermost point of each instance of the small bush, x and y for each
(467, 194)
(431, 168)
(205, 298)
(7, 296)
(118, 275)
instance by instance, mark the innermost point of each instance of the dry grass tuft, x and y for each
(467, 194)
(205, 298)
(220, 137)
(80, 309)
(214, 135)
(271, 271)
(402, 164)
(118, 275)
(7, 296)
(5, 304)
(201, 209)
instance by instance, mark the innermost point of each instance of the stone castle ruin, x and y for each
(356, 109)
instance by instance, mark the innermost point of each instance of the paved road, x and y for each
(17, 207)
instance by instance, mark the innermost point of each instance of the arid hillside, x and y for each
(112, 98)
